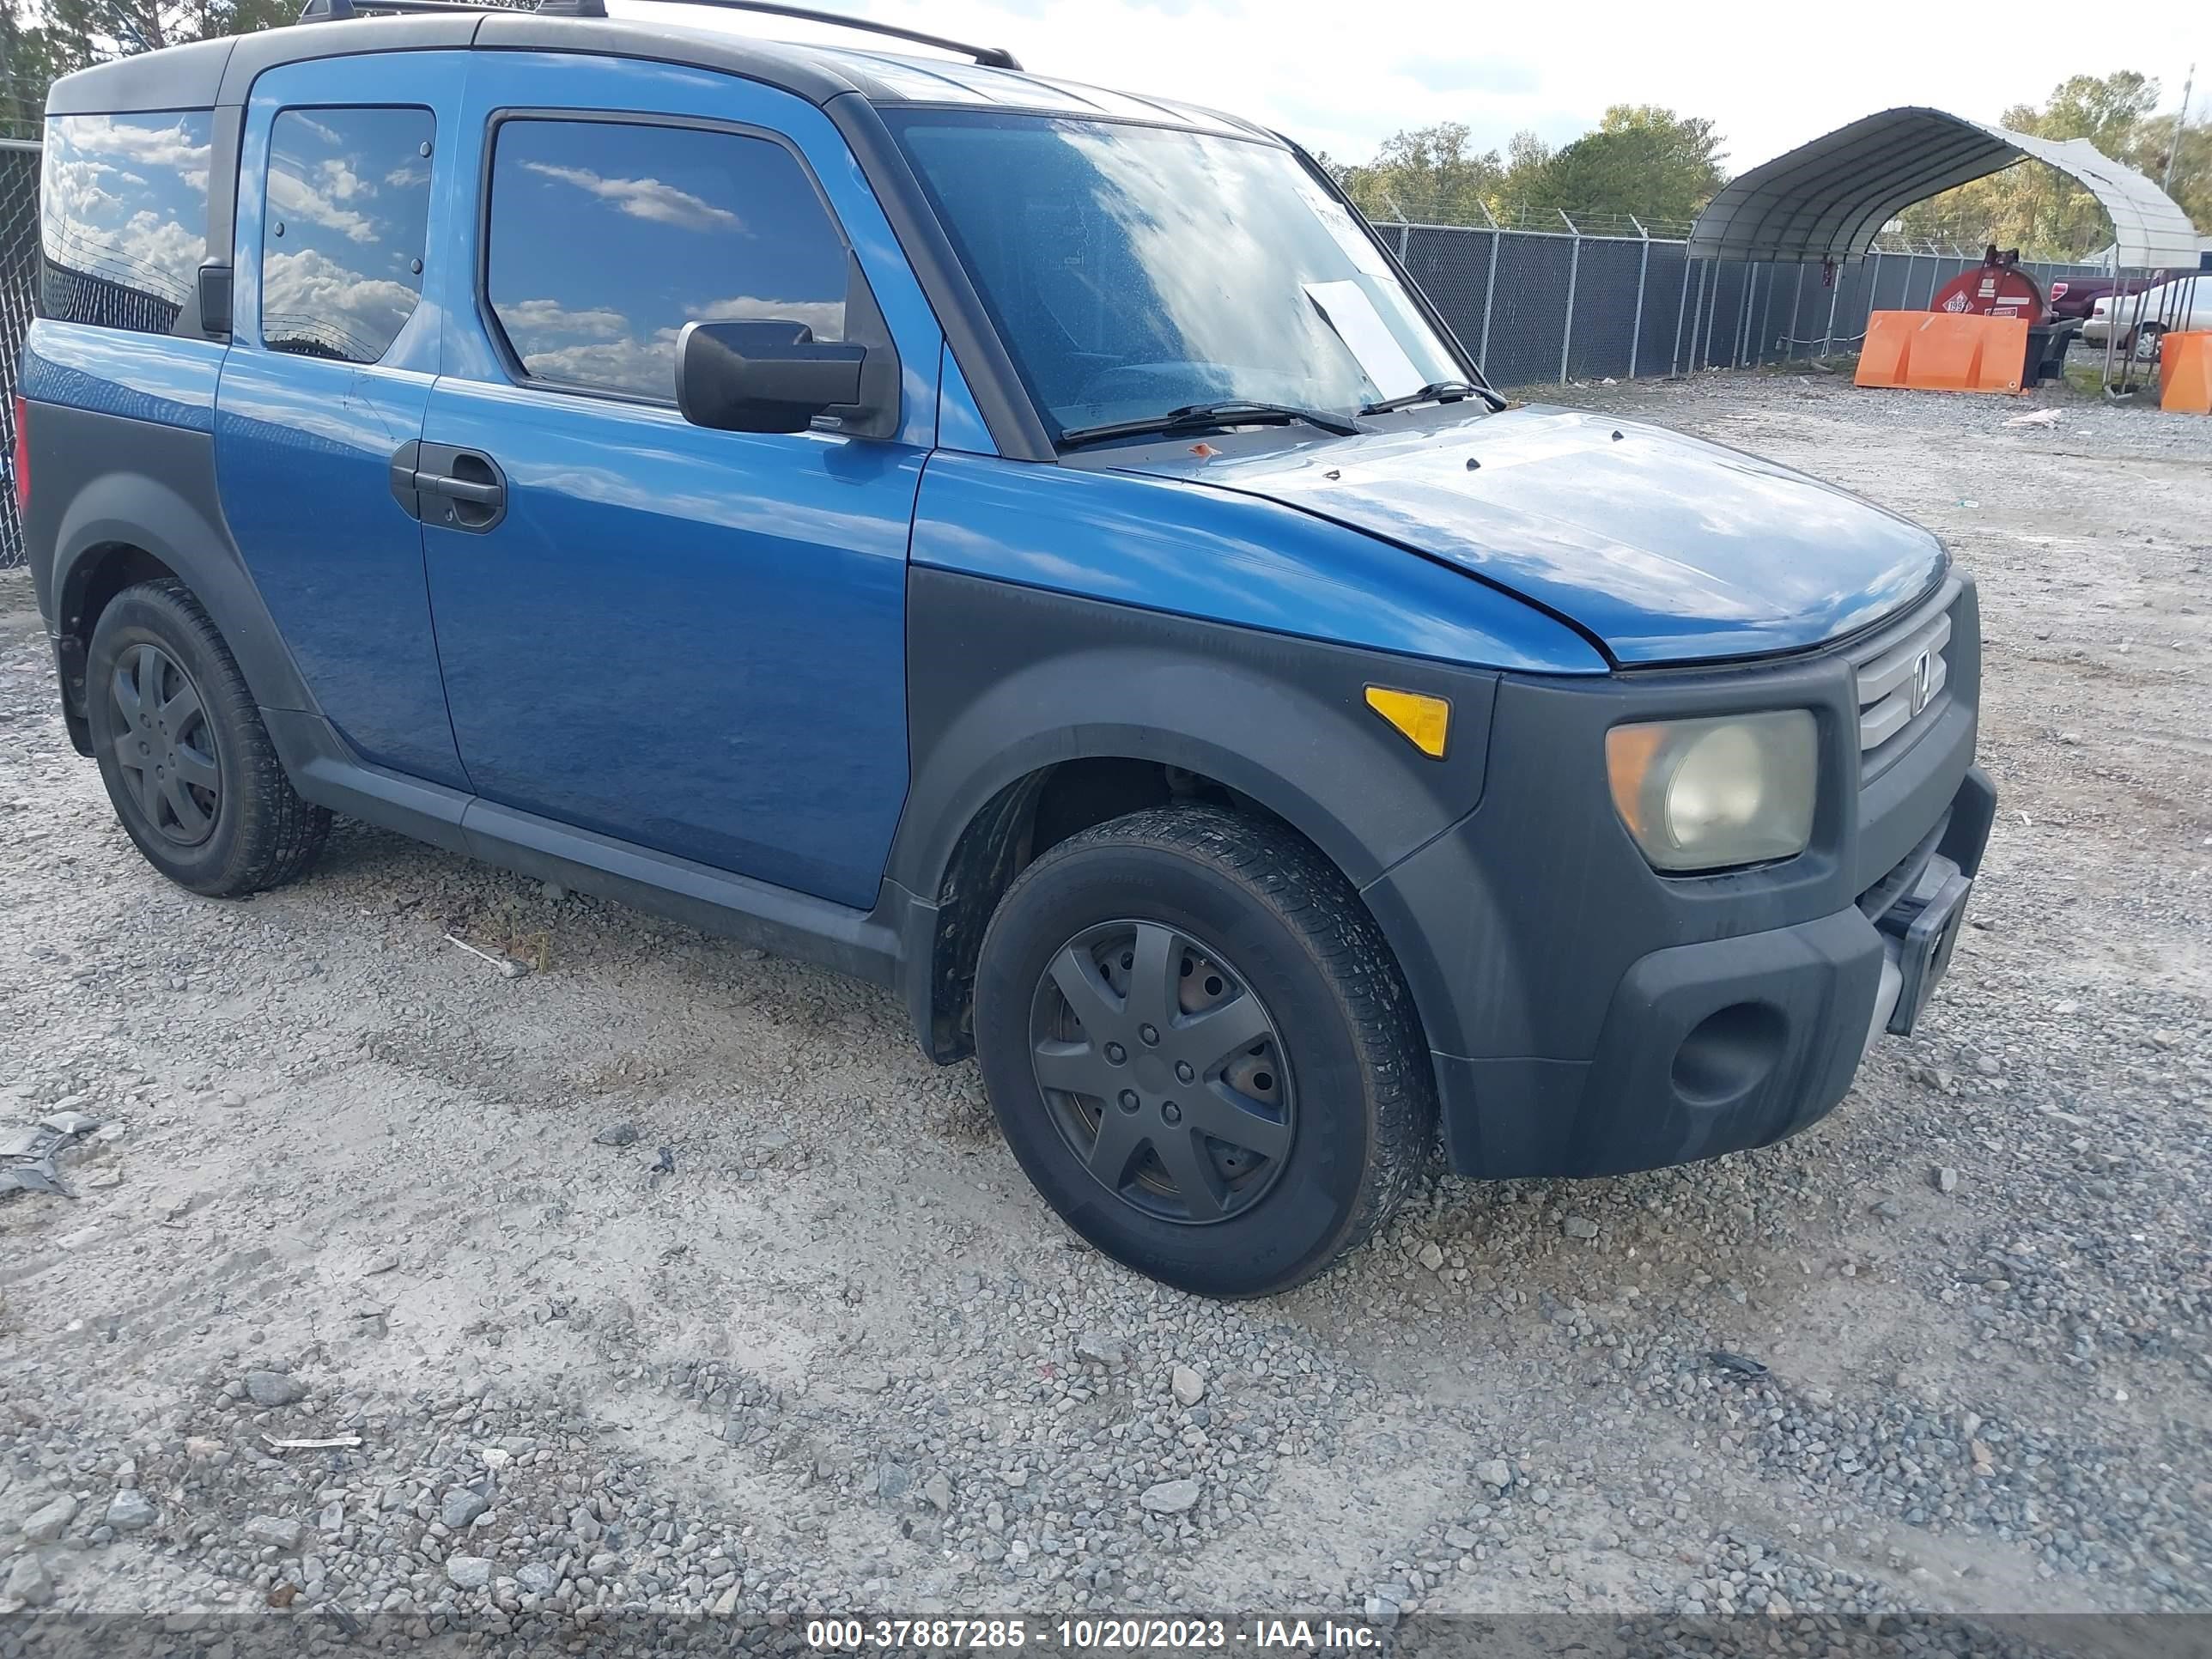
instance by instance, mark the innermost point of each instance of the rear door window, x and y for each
(607, 237)
(123, 218)
(341, 245)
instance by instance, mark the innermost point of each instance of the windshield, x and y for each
(1135, 269)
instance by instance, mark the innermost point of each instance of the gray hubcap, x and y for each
(165, 747)
(1161, 1070)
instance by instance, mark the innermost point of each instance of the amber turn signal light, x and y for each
(1424, 722)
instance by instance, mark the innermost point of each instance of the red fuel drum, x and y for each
(1996, 288)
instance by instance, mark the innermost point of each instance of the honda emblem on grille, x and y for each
(1923, 680)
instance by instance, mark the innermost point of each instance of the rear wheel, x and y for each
(194, 779)
(1199, 1049)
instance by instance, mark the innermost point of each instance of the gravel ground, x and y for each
(669, 1278)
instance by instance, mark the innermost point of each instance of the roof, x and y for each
(1828, 199)
(222, 72)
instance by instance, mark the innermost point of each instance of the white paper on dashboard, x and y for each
(1361, 327)
(1344, 231)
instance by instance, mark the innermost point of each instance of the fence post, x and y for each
(1405, 235)
(1489, 295)
(1873, 287)
(1712, 316)
(1835, 293)
(1796, 305)
(1643, 269)
(1681, 308)
(1701, 318)
(1766, 317)
(1743, 316)
(1935, 271)
(1574, 270)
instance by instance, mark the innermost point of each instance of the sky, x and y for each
(1341, 77)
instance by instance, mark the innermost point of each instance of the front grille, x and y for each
(1904, 676)
(1878, 900)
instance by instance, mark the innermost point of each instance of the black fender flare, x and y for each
(1006, 682)
(154, 488)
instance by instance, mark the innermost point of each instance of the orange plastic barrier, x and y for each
(2184, 373)
(1940, 351)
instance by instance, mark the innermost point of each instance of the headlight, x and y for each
(1705, 794)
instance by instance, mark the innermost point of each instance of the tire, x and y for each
(1259, 938)
(188, 765)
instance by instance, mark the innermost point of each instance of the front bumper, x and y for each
(1589, 1017)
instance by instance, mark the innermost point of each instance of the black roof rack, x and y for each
(319, 11)
(337, 11)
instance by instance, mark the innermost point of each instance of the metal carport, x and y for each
(1827, 200)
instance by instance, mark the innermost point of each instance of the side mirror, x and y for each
(764, 376)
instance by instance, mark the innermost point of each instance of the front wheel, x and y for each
(1199, 1049)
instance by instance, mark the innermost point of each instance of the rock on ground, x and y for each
(1171, 1497)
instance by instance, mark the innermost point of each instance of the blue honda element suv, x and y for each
(1027, 546)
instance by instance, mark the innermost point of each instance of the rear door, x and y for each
(690, 640)
(345, 182)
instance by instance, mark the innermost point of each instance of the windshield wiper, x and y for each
(1435, 391)
(1235, 411)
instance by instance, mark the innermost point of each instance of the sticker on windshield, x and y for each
(1349, 311)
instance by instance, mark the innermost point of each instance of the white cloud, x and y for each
(645, 198)
(595, 346)
(292, 198)
(155, 147)
(340, 182)
(645, 367)
(95, 231)
(311, 294)
(548, 320)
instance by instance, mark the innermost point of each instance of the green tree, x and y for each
(1642, 160)
(1433, 174)
(27, 65)
(1528, 158)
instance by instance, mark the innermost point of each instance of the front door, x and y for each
(345, 175)
(689, 639)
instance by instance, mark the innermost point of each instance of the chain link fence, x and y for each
(19, 277)
(1541, 306)
(1533, 305)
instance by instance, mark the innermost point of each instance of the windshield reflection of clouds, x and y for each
(349, 212)
(1134, 269)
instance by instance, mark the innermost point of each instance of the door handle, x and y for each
(455, 489)
(461, 489)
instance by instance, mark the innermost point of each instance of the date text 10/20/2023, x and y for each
(1131, 1635)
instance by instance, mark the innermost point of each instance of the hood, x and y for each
(1666, 547)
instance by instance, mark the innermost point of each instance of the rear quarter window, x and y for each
(123, 217)
(342, 247)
